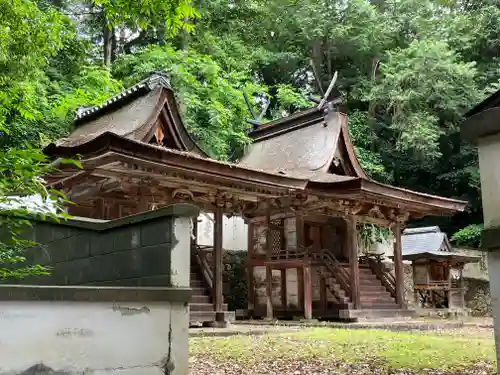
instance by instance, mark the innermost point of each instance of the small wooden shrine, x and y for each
(299, 187)
(437, 268)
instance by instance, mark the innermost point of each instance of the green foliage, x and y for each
(235, 280)
(370, 234)
(145, 14)
(212, 100)
(422, 89)
(408, 70)
(469, 236)
(28, 38)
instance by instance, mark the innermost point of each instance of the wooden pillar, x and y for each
(352, 233)
(269, 271)
(306, 271)
(250, 276)
(304, 282)
(398, 266)
(323, 296)
(300, 287)
(284, 301)
(217, 259)
(461, 285)
(194, 237)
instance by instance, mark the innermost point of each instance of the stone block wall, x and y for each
(89, 252)
(477, 297)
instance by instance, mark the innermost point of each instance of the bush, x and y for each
(477, 297)
(235, 280)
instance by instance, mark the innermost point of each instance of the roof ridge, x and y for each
(154, 80)
(422, 230)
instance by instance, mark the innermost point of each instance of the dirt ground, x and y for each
(422, 346)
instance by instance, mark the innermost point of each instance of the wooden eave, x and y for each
(445, 256)
(490, 102)
(109, 148)
(414, 202)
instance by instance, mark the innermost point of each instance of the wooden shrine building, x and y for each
(437, 268)
(299, 187)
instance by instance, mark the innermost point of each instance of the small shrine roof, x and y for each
(430, 243)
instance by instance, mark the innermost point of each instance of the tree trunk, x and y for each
(114, 45)
(107, 45)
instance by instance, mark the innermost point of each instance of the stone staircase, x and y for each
(201, 309)
(374, 295)
(377, 298)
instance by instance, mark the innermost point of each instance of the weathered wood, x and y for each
(462, 287)
(269, 272)
(283, 289)
(398, 266)
(323, 296)
(307, 292)
(352, 235)
(300, 286)
(300, 238)
(217, 259)
(250, 277)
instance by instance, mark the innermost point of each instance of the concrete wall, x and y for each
(234, 232)
(86, 330)
(478, 270)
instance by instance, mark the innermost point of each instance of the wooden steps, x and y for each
(201, 310)
(374, 296)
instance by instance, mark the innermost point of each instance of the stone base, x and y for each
(223, 319)
(374, 314)
(443, 313)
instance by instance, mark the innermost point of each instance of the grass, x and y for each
(396, 350)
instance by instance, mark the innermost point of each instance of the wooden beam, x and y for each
(299, 233)
(300, 286)
(269, 272)
(217, 259)
(283, 289)
(306, 270)
(352, 234)
(398, 266)
(250, 276)
(323, 296)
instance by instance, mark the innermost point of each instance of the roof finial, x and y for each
(328, 91)
(255, 122)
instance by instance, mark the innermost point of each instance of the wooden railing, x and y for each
(201, 256)
(336, 270)
(289, 254)
(386, 277)
(438, 284)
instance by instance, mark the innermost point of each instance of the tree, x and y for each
(211, 98)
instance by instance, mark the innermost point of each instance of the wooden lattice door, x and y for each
(277, 237)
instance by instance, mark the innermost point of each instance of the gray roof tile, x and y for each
(423, 240)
